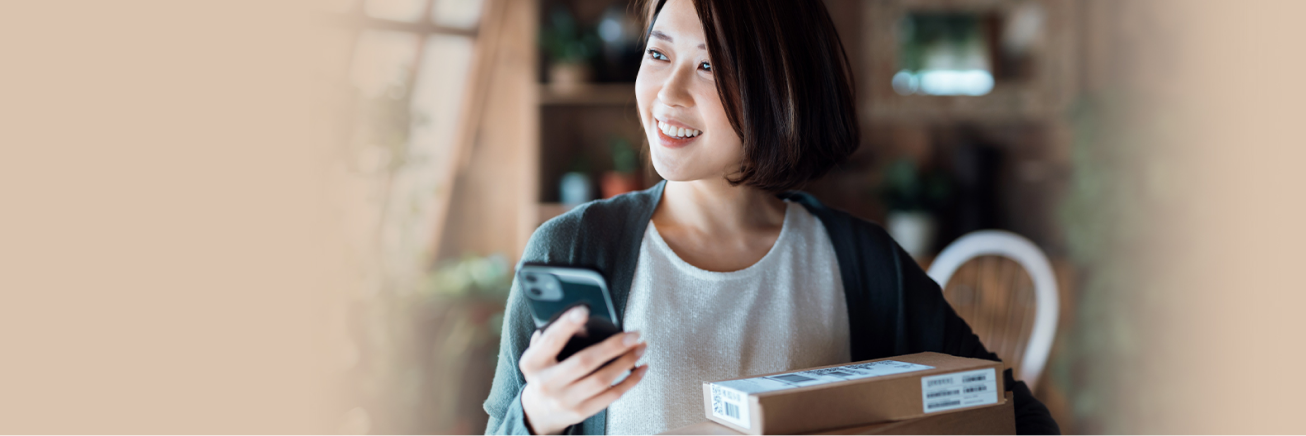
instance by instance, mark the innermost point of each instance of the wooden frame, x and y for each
(1042, 97)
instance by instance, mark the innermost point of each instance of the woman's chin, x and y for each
(673, 175)
(671, 168)
(676, 165)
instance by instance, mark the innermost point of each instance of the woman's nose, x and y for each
(675, 90)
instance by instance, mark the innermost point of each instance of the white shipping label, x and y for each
(821, 376)
(959, 389)
(730, 398)
(730, 405)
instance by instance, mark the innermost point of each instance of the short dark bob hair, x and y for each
(786, 85)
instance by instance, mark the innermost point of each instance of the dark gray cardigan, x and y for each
(893, 307)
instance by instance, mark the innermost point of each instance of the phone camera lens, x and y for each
(534, 291)
(530, 278)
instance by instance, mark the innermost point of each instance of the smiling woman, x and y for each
(721, 272)
(781, 101)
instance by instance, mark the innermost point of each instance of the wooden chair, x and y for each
(1004, 287)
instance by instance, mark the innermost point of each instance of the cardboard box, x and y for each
(853, 394)
(992, 419)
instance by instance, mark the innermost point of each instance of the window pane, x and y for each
(383, 61)
(944, 54)
(438, 93)
(415, 190)
(381, 70)
(463, 14)
(398, 10)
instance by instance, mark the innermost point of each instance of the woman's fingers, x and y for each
(543, 353)
(591, 358)
(602, 400)
(601, 380)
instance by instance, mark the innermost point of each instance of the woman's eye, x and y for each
(656, 55)
(706, 66)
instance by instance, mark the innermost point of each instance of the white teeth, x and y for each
(678, 132)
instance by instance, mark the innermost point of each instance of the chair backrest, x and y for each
(986, 276)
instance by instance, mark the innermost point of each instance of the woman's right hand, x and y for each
(559, 394)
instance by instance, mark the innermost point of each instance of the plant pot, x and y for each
(566, 78)
(914, 231)
(615, 183)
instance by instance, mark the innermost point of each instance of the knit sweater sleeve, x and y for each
(503, 405)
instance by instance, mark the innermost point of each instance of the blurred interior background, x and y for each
(472, 122)
(477, 120)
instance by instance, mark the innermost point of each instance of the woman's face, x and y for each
(689, 136)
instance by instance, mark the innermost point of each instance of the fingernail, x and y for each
(640, 352)
(578, 314)
(632, 338)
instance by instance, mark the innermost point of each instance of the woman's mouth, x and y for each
(673, 136)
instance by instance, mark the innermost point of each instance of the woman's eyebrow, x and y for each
(659, 35)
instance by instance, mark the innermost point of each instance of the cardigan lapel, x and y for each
(626, 248)
(624, 252)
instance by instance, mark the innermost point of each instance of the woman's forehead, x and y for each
(678, 23)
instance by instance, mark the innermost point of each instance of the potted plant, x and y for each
(569, 49)
(623, 177)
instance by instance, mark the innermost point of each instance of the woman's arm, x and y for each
(557, 390)
(504, 404)
(935, 325)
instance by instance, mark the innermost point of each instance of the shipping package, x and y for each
(847, 395)
(992, 419)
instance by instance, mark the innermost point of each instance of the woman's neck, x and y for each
(713, 207)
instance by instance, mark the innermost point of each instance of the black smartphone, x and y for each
(551, 290)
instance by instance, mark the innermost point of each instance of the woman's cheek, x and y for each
(645, 93)
(727, 148)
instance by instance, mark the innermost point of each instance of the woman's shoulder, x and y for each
(598, 223)
(841, 225)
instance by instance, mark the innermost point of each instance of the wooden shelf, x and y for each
(597, 94)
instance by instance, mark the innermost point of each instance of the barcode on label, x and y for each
(730, 405)
(792, 378)
(732, 410)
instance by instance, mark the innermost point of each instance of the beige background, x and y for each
(166, 262)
